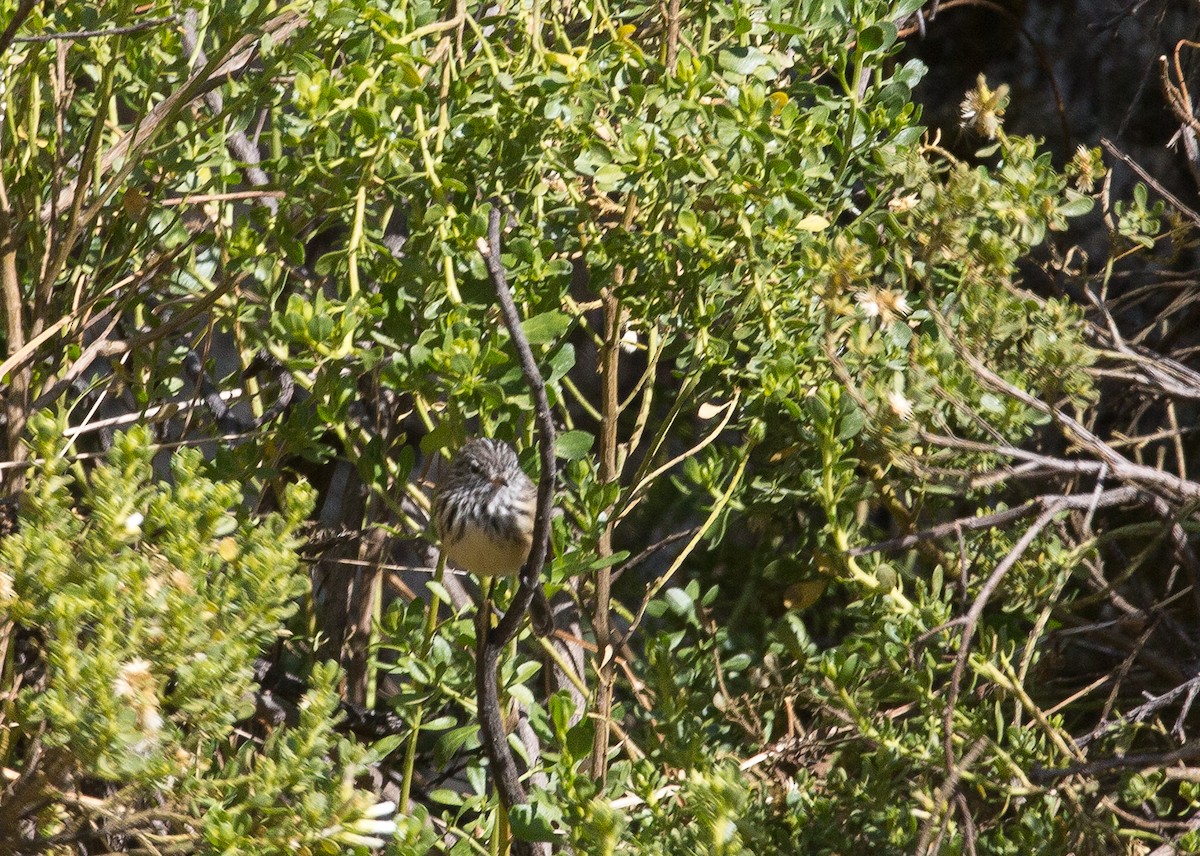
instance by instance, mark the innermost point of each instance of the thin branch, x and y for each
(236, 141)
(492, 640)
(700, 532)
(233, 62)
(1150, 180)
(1122, 468)
(23, 11)
(946, 792)
(672, 34)
(638, 492)
(232, 196)
(12, 301)
(91, 34)
(630, 564)
(1140, 712)
(1117, 496)
(611, 466)
(972, 622)
(1144, 761)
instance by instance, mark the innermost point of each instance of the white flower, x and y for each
(883, 304)
(133, 523)
(365, 831)
(629, 340)
(150, 720)
(131, 680)
(982, 108)
(135, 682)
(380, 809)
(900, 405)
(900, 204)
(374, 827)
(361, 840)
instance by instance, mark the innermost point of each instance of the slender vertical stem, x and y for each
(376, 618)
(15, 398)
(354, 245)
(672, 35)
(490, 641)
(610, 472)
(410, 751)
(602, 621)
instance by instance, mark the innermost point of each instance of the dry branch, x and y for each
(491, 640)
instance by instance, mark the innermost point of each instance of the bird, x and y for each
(483, 511)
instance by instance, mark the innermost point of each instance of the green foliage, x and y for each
(148, 601)
(140, 583)
(802, 294)
(1138, 220)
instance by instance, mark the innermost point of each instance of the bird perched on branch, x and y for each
(483, 511)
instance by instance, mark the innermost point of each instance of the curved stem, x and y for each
(490, 641)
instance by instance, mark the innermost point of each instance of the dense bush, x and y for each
(779, 324)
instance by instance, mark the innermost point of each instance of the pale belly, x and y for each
(480, 553)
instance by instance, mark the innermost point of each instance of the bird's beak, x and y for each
(499, 481)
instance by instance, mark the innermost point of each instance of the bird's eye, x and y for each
(476, 467)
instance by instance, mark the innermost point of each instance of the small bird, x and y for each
(483, 511)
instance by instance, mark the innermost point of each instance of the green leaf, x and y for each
(441, 723)
(561, 706)
(450, 742)
(679, 601)
(1076, 205)
(877, 36)
(534, 821)
(991, 403)
(445, 796)
(385, 746)
(579, 737)
(738, 663)
(573, 445)
(851, 424)
(608, 177)
(813, 223)
(561, 362)
(795, 30)
(439, 592)
(741, 61)
(546, 327)
(870, 39)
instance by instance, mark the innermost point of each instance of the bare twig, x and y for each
(945, 792)
(91, 34)
(1143, 761)
(672, 34)
(233, 61)
(610, 472)
(972, 622)
(1117, 496)
(1140, 712)
(1150, 180)
(237, 142)
(631, 563)
(23, 11)
(492, 640)
(15, 403)
(1121, 468)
